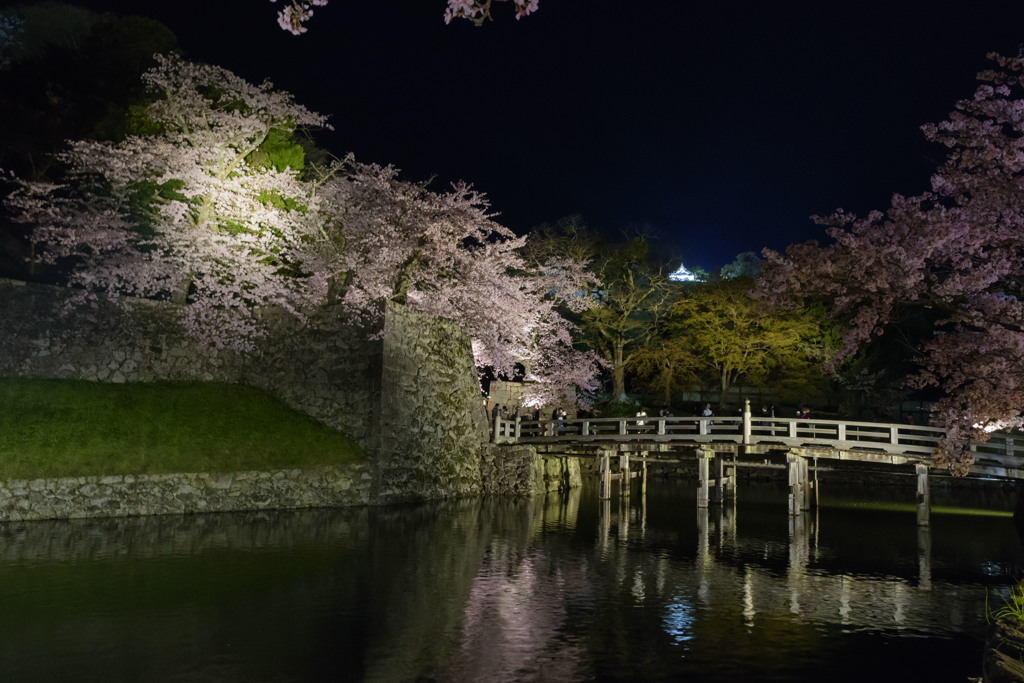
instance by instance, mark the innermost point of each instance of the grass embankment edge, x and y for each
(69, 428)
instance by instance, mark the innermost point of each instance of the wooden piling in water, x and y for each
(924, 503)
(799, 483)
(624, 474)
(606, 476)
(703, 467)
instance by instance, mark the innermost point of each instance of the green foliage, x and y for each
(746, 264)
(278, 201)
(617, 409)
(50, 25)
(56, 428)
(73, 74)
(731, 339)
(1013, 605)
(139, 122)
(279, 151)
(142, 203)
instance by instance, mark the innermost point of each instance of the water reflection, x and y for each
(543, 589)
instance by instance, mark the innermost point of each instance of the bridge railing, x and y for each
(620, 429)
(1001, 455)
(733, 428)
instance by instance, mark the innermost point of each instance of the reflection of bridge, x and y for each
(720, 444)
(847, 599)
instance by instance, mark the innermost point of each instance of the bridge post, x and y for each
(605, 490)
(519, 427)
(817, 489)
(624, 476)
(923, 495)
(805, 466)
(798, 483)
(718, 472)
(643, 476)
(702, 477)
(746, 422)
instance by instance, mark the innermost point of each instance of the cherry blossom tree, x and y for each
(956, 251)
(198, 210)
(184, 211)
(443, 253)
(297, 12)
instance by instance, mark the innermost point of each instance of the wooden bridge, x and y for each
(720, 444)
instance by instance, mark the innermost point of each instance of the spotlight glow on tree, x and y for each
(208, 207)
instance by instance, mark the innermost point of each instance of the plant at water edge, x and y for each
(1013, 605)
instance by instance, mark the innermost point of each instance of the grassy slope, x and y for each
(58, 428)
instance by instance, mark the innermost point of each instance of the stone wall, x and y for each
(433, 427)
(519, 471)
(326, 369)
(156, 494)
(408, 394)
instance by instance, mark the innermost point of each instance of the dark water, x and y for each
(550, 589)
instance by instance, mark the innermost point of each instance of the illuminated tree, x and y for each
(732, 339)
(630, 295)
(185, 210)
(956, 251)
(443, 254)
(208, 207)
(665, 366)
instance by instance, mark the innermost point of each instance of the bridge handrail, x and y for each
(1002, 450)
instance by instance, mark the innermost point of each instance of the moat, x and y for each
(556, 588)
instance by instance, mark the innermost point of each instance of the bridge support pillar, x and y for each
(723, 483)
(605, 491)
(924, 502)
(643, 474)
(624, 474)
(704, 456)
(799, 483)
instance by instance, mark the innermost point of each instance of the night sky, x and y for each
(716, 127)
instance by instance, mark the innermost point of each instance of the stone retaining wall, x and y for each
(508, 471)
(156, 494)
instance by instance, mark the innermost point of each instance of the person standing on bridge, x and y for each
(640, 422)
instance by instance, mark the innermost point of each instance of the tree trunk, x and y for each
(666, 387)
(618, 370)
(725, 385)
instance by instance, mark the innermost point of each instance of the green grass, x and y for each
(63, 428)
(1013, 606)
(891, 506)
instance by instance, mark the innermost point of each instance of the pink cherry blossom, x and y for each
(183, 215)
(955, 251)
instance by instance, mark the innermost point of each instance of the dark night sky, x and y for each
(720, 126)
